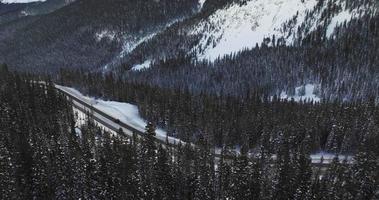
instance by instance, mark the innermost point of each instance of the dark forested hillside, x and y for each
(44, 154)
(15, 11)
(86, 33)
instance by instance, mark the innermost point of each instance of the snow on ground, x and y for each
(317, 158)
(105, 34)
(243, 26)
(142, 66)
(338, 20)
(24, 13)
(125, 112)
(327, 158)
(131, 43)
(201, 4)
(81, 119)
(306, 92)
(348, 15)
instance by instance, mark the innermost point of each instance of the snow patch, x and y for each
(131, 43)
(303, 93)
(105, 34)
(327, 158)
(338, 20)
(142, 66)
(201, 4)
(24, 13)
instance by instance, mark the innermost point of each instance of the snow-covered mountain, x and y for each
(244, 24)
(226, 27)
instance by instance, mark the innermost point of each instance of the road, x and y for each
(110, 122)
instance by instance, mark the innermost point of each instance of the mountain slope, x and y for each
(14, 10)
(102, 35)
(247, 24)
(242, 24)
(87, 33)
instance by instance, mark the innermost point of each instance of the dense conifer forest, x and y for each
(46, 155)
(245, 135)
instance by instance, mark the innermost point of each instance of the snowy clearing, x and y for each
(303, 93)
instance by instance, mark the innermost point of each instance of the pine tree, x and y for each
(7, 181)
(284, 187)
(204, 172)
(129, 171)
(224, 178)
(365, 169)
(42, 187)
(241, 177)
(304, 171)
(147, 162)
(163, 176)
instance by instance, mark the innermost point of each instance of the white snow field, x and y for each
(125, 112)
(244, 26)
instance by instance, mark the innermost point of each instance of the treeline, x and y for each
(226, 120)
(45, 154)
